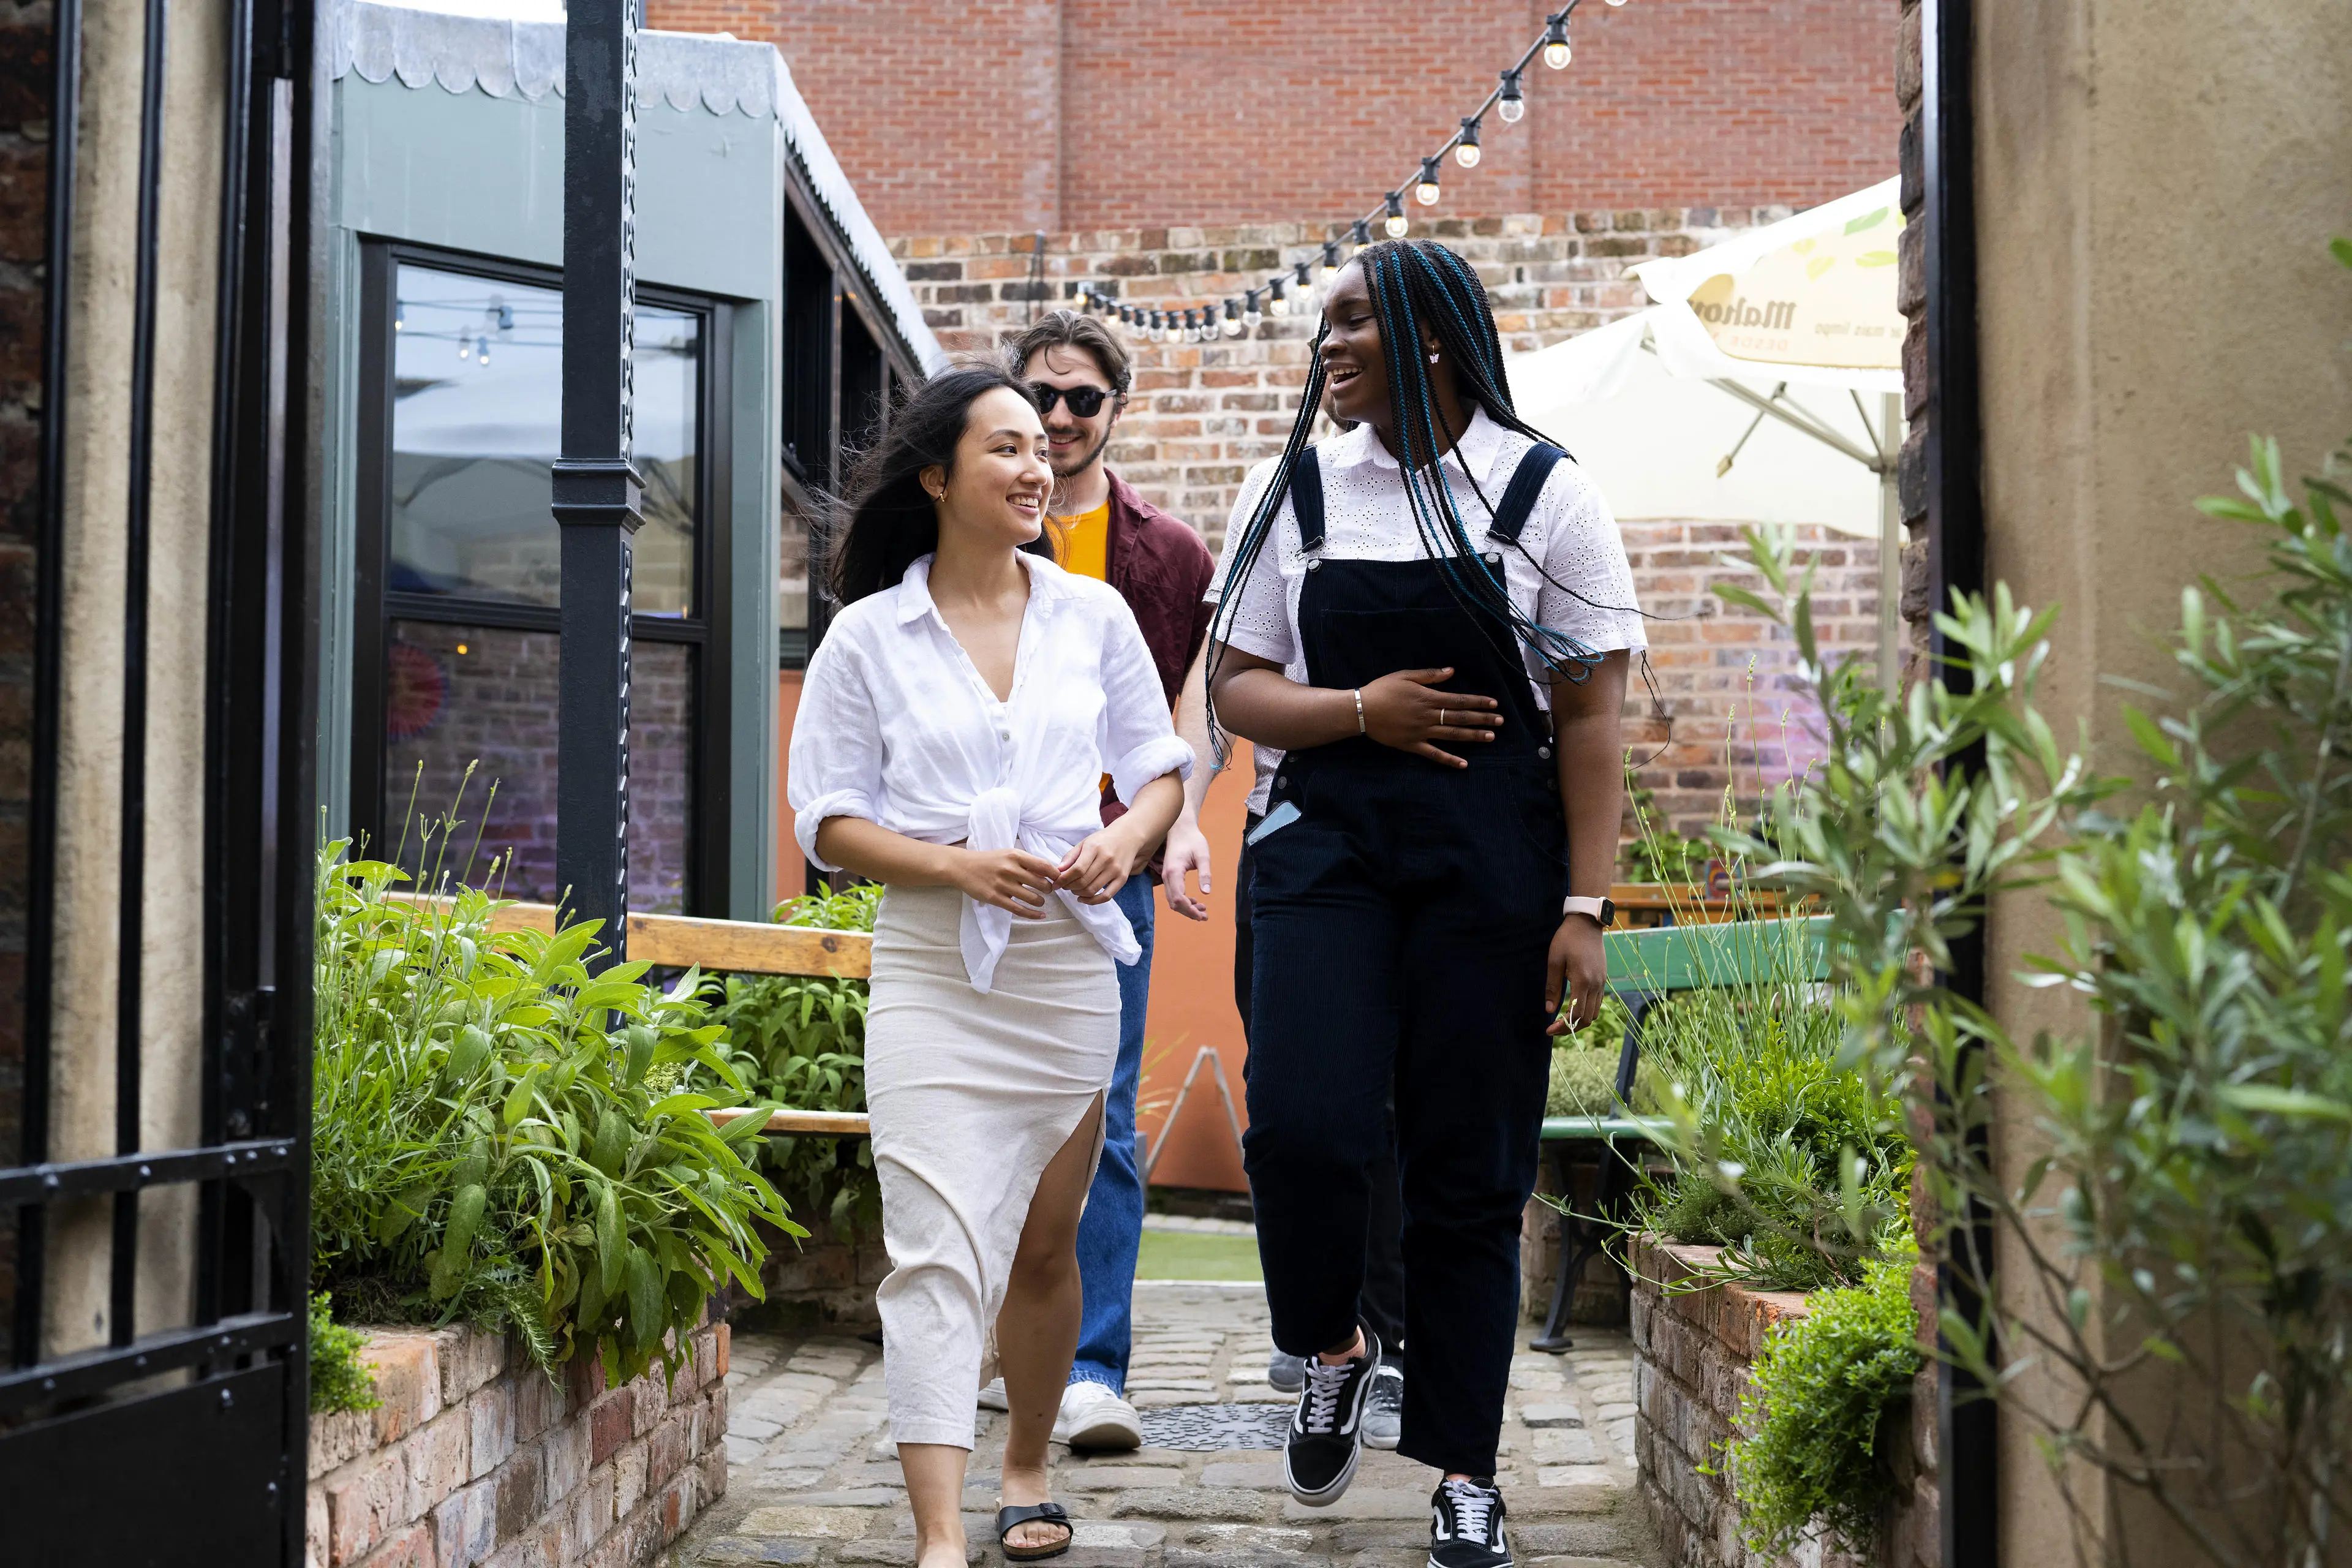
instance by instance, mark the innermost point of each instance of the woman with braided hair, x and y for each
(1431, 616)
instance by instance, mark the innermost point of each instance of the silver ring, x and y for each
(1441, 719)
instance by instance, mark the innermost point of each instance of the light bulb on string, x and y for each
(1465, 152)
(482, 349)
(1306, 286)
(1616, 2)
(1278, 304)
(1362, 236)
(1251, 314)
(1556, 50)
(1395, 225)
(506, 318)
(1330, 260)
(1513, 104)
(464, 353)
(1232, 319)
(1425, 192)
(400, 316)
(1192, 333)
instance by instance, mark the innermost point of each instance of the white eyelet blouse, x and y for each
(897, 726)
(1583, 585)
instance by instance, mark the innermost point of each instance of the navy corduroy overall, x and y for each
(1401, 924)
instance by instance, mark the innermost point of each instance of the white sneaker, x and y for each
(993, 1396)
(1094, 1417)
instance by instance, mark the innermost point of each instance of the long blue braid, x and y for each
(1453, 301)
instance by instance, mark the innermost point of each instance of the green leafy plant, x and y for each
(1584, 1065)
(502, 1135)
(799, 1041)
(1656, 853)
(2174, 1316)
(1811, 1416)
(1797, 1169)
(340, 1379)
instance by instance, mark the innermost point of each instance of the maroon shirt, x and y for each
(1161, 568)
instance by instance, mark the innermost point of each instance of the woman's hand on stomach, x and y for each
(1011, 879)
(1405, 710)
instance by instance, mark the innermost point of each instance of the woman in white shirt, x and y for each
(1430, 614)
(953, 729)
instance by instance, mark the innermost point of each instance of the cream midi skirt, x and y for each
(970, 1094)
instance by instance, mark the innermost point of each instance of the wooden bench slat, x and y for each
(730, 947)
(820, 1123)
(1662, 959)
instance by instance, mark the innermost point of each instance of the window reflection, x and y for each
(478, 398)
(459, 694)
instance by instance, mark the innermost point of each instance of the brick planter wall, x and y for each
(821, 1280)
(475, 1457)
(1694, 1350)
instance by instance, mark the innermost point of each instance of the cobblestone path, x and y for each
(812, 1477)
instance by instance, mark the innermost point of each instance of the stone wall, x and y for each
(821, 1282)
(1693, 1349)
(475, 1457)
(1201, 415)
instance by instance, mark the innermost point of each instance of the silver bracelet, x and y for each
(1358, 695)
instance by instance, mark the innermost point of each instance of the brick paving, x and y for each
(812, 1479)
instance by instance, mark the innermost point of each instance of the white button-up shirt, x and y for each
(897, 726)
(1572, 576)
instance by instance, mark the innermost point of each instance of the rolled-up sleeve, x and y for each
(834, 768)
(1138, 740)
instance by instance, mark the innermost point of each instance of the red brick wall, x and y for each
(1000, 115)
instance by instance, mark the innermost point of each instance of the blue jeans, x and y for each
(1111, 1229)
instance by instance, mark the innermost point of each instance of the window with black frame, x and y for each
(455, 518)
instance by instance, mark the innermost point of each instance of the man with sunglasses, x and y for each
(1080, 374)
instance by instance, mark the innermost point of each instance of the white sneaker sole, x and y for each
(991, 1396)
(1105, 1429)
(1329, 1494)
(1383, 1440)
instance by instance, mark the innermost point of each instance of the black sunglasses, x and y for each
(1086, 402)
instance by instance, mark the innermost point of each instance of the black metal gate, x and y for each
(182, 1442)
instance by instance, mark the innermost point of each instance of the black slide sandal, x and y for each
(1009, 1519)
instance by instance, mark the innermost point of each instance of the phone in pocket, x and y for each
(1280, 817)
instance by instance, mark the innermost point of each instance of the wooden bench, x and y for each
(1644, 968)
(734, 947)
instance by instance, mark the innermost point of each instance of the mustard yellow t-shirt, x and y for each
(1082, 543)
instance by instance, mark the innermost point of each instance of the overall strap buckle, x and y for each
(1307, 499)
(1519, 498)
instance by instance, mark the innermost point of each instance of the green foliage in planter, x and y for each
(1657, 853)
(1584, 1065)
(501, 1136)
(1811, 1412)
(340, 1379)
(1797, 1168)
(799, 1041)
(2186, 1225)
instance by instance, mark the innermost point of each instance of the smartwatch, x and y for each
(1602, 910)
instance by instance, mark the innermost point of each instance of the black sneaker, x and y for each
(1465, 1529)
(1326, 1428)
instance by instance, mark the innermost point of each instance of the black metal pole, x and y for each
(597, 489)
(1967, 1437)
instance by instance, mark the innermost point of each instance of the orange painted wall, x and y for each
(1192, 980)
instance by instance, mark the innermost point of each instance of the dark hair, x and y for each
(883, 520)
(1069, 330)
(1417, 284)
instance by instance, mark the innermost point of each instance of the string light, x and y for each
(400, 316)
(482, 350)
(1508, 101)
(1556, 50)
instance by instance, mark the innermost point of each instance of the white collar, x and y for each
(1047, 583)
(1473, 454)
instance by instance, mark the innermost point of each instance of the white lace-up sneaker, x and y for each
(993, 1396)
(1094, 1417)
(1465, 1527)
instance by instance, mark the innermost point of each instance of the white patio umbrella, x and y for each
(1797, 322)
